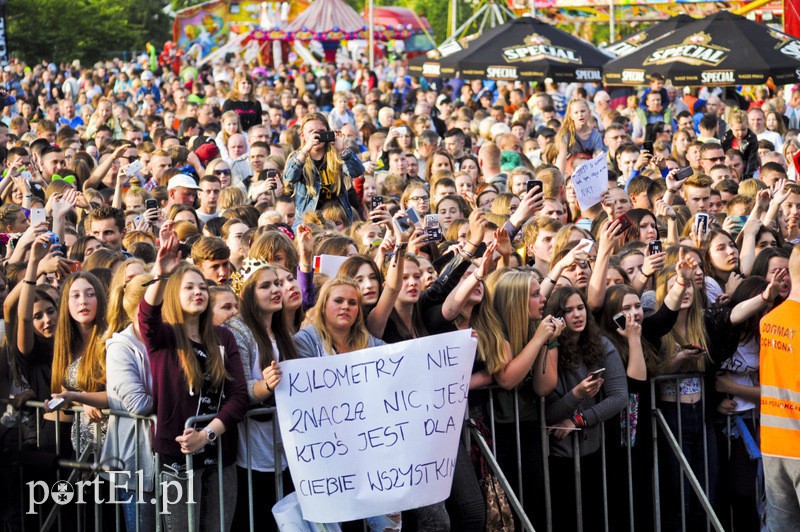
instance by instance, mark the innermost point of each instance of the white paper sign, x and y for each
(375, 431)
(590, 181)
(328, 264)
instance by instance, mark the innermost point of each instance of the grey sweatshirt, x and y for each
(612, 398)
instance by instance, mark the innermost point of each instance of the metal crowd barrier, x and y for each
(659, 424)
(515, 494)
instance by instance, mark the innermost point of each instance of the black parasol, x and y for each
(720, 50)
(524, 49)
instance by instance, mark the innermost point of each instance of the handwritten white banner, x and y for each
(375, 431)
(590, 180)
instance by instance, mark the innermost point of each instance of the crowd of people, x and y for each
(160, 234)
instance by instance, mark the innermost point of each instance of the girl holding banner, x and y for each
(338, 327)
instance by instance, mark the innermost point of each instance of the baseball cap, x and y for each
(485, 93)
(147, 74)
(182, 180)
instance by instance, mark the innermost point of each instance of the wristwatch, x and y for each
(212, 436)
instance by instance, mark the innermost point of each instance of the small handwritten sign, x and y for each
(590, 180)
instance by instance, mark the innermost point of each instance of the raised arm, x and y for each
(749, 308)
(166, 263)
(596, 291)
(379, 317)
(27, 296)
(458, 298)
(519, 366)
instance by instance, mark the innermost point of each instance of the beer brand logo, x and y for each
(779, 36)
(792, 49)
(586, 74)
(536, 39)
(629, 45)
(538, 47)
(503, 72)
(449, 49)
(695, 50)
(718, 76)
(633, 76)
(431, 69)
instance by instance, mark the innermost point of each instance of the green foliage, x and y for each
(62, 30)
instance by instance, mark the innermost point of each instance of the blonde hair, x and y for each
(225, 116)
(231, 197)
(510, 293)
(123, 301)
(568, 133)
(695, 325)
(358, 338)
(333, 161)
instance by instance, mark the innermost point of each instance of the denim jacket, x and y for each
(303, 201)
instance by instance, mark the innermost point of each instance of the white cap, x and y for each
(499, 128)
(147, 74)
(182, 180)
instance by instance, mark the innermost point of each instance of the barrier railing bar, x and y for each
(629, 458)
(604, 473)
(576, 460)
(705, 447)
(548, 500)
(687, 470)
(515, 503)
(519, 445)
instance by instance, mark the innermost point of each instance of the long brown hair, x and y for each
(615, 295)
(68, 341)
(251, 315)
(173, 315)
(234, 93)
(358, 338)
(575, 348)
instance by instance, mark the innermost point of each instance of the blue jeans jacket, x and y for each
(303, 201)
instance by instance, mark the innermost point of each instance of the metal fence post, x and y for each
(576, 460)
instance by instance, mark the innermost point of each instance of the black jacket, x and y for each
(748, 149)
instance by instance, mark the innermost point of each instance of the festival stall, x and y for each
(199, 30)
(329, 22)
(723, 49)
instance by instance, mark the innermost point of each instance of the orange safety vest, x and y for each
(780, 381)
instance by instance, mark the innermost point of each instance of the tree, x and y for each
(63, 30)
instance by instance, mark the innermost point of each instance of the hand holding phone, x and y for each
(533, 183)
(701, 224)
(596, 374)
(683, 173)
(38, 216)
(413, 217)
(625, 223)
(620, 319)
(654, 247)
